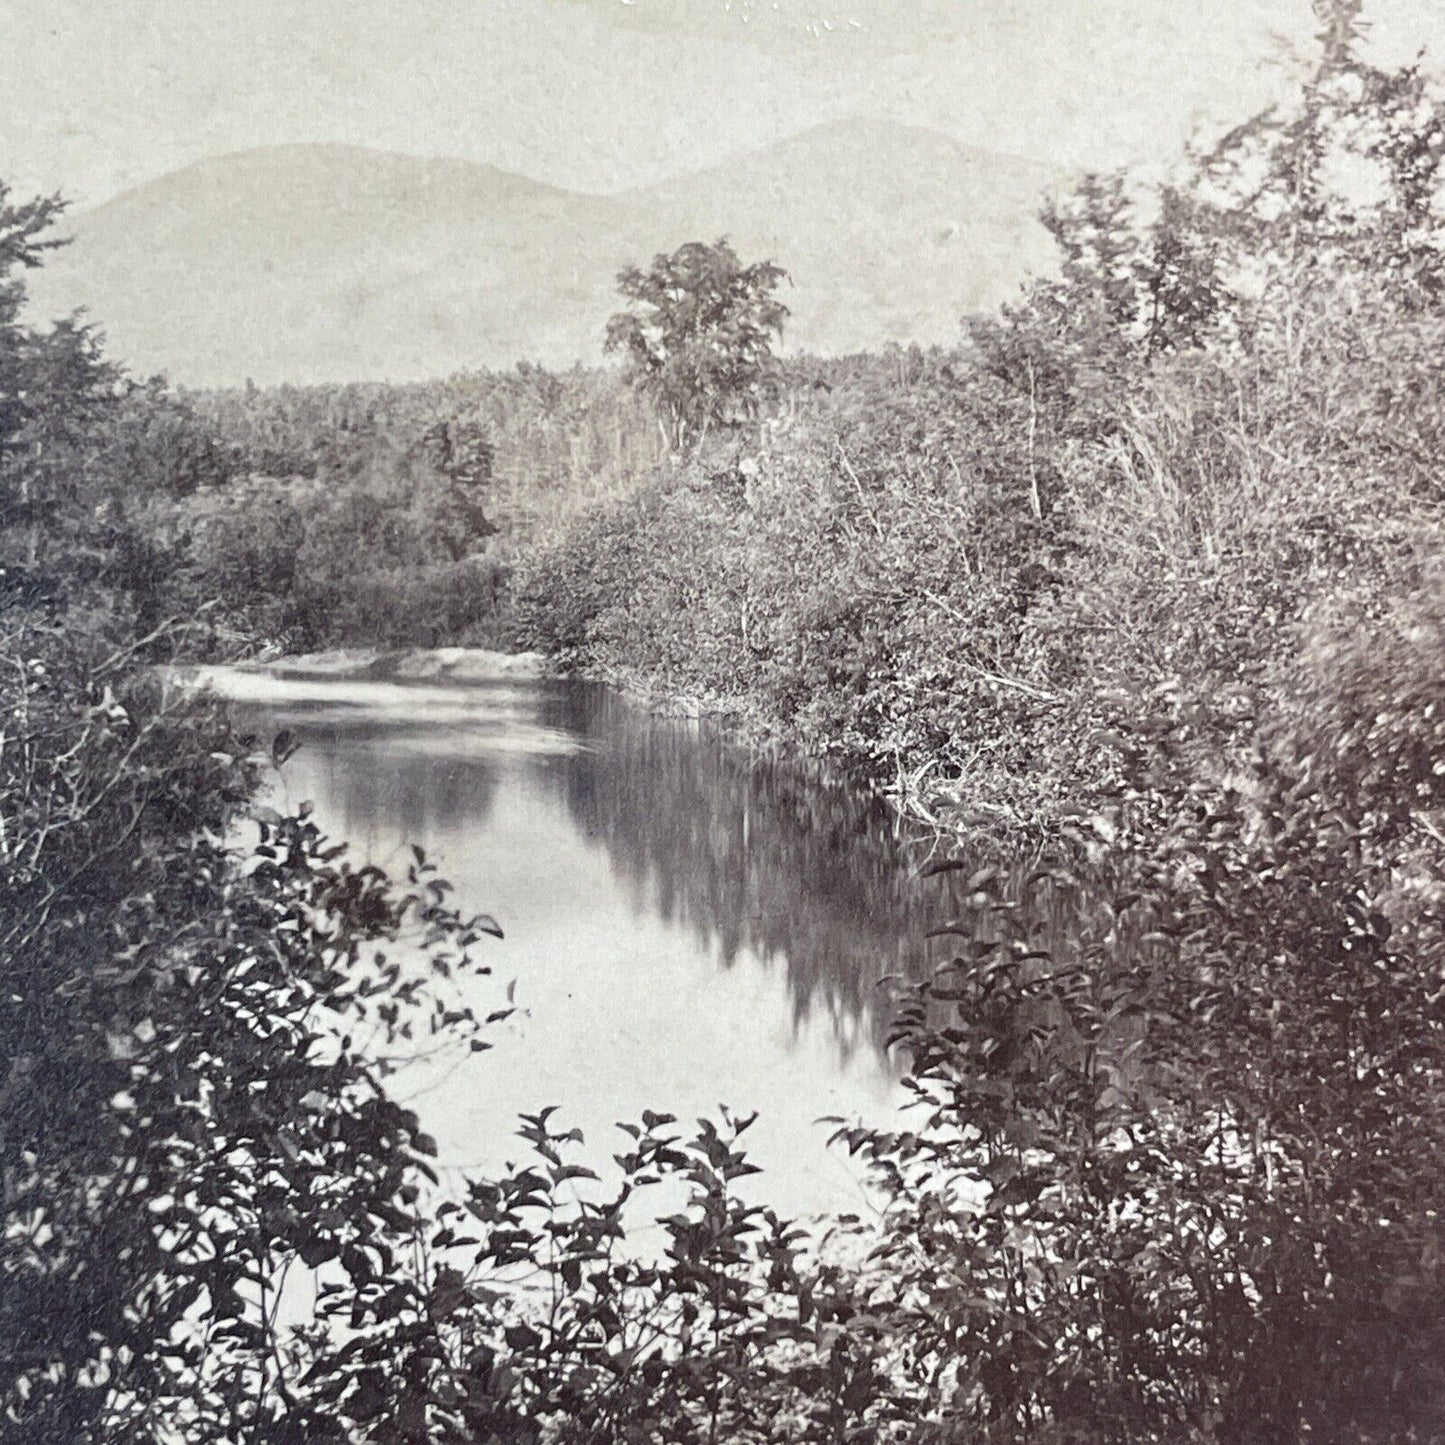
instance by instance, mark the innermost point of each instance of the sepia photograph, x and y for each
(722, 722)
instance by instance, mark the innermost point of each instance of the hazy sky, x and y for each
(601, 94)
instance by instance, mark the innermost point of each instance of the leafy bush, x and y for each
(1167, 1183)
(185, 1110)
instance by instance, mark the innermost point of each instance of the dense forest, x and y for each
(1146, 570)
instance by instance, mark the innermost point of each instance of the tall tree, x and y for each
(698, 335)
(51, 381)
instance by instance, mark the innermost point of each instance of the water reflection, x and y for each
(687, 924)
(751, 855)
(408, 796)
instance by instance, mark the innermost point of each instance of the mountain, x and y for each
(319, 262)
(306, 263)
(888, 232)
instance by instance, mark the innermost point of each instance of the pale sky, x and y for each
(602, 94)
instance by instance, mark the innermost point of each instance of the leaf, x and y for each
(315, 1252)
(522, 1337)
(986, 874)
(572, 1171)
(947, 865)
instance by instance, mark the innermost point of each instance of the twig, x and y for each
(1000, 678)
(862, 496)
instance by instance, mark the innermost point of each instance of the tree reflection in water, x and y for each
(751, 854)
(381, 794)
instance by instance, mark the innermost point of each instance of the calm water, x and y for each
(688, 924)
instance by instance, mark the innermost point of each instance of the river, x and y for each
(688, 924)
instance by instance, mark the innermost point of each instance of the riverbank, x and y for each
(369, 664)
(983, 600)
(946, 811)
(436, 664)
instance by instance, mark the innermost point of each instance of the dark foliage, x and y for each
(698, 336)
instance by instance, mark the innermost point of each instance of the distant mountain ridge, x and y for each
(324, 262)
